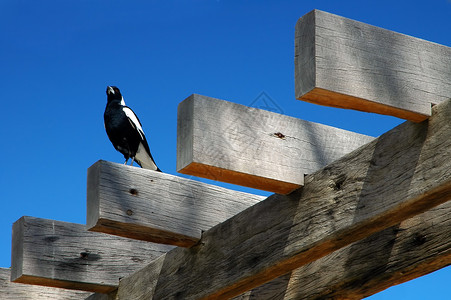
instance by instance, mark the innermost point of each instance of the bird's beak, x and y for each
(109, 90)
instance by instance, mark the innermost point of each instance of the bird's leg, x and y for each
(133, 159)
(126, 161)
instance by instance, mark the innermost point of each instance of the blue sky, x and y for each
(57, 57)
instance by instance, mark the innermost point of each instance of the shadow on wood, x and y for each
(408, 250)
(157, 207)
(403, 173)
(65, 255)
(233, 143)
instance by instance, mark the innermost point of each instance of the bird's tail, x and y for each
(145, 159)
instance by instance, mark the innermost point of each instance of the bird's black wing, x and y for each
(134, 121)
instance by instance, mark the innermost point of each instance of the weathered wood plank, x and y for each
(109, 296)
(138, 286)
(233, 143)
(157, 207)
(60, 254)
(411, 249)
(344, 63)
(401, 174)
(17, 291)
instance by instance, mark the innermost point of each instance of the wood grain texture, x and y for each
(233, 143)
(98, 296)
(157, 207)
(403, 173)
(60, 254)
(408, 250)
(138, 286)
(17, 291)
(141, 285)
(344, 63)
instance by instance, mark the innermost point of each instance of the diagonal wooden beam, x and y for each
(408, 250)
(65, 255)
(344, 63)
(233, 143)
(98, 296)
(401, 174)
(157, 207)
(16, 291)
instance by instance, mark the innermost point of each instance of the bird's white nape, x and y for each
(122, 101)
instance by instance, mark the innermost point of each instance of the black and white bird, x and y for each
(125, 131)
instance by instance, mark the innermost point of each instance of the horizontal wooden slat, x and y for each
(233, 143)
(17, 291)
(403, 173)
(60, 254)
(411, 249)
(344, 63)
(157, 207)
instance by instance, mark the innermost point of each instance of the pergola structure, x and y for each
(351, 214)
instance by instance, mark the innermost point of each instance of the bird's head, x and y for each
(113, 93)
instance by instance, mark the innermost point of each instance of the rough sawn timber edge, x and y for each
(379, 70)
(230, 142)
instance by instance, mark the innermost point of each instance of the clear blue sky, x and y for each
(57, 57)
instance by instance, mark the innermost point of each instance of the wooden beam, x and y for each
(65, 255)
(98, 296)
(16, 291)
(242, 145)
(401, 174)
(408, 250)
(348, 64)
(157, 207)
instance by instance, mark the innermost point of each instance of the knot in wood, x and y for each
(419, 239)
(86, 255)
(133, 192)
(51, 239)
(338, 183)
(279, 135)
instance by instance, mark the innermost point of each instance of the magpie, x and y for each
(125, 131)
